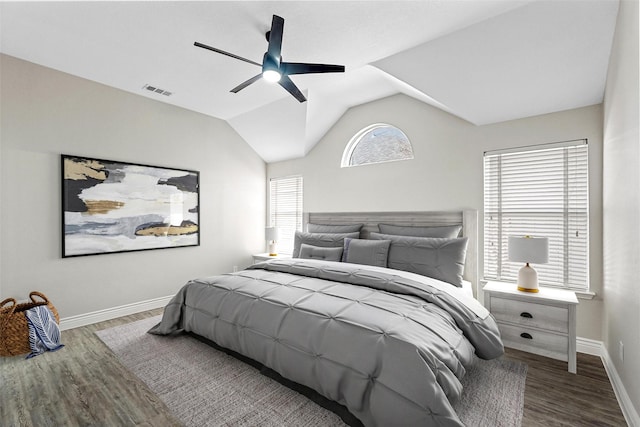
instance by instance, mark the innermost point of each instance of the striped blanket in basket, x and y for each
(44, 334)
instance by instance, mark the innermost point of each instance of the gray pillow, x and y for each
(368, 252)
(439, 258)
(325, 240)
(317, 252)
(331, 228)
(446, 231)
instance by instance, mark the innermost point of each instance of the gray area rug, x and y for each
(206, 387)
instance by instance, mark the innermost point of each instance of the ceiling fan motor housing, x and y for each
(270, 64)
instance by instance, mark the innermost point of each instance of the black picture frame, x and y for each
(113, 206)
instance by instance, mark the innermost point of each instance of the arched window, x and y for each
(376, 144)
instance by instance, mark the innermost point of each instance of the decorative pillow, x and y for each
(439, 258)
(368, 252)
(331, 228)
(317, 252)
(446, 231)
(325, 240)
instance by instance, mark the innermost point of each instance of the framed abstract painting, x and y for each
(110, 206)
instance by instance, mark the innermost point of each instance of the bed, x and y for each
(390, 344)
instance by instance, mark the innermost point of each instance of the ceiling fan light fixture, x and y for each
(272, 76)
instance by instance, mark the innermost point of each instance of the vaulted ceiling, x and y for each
(483, 61)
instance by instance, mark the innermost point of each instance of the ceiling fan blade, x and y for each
(288, 84)
(204, 46)
(275, 39)
(301, 68)
(247, 83)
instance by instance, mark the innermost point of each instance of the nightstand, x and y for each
(265, 257)
(543, 323)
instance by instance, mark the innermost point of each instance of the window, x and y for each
(285, 209)
(540, 191)
(376, 144)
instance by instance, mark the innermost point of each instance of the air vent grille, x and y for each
(157, 90)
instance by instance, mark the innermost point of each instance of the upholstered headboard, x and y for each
(467, 218)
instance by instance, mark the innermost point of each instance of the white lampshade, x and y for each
(533, 250)
(529, 250)
(271, 234)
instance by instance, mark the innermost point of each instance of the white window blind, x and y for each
(543, 192)
(285, 209)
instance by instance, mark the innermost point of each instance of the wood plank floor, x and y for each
(83, 384)
(555, 397)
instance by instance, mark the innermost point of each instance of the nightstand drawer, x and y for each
(535, 341)
(543, 323)
(528, 314)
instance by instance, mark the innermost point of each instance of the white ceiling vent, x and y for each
(157, 90)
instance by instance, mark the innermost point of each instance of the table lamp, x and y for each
(528, 249)
(271, 236)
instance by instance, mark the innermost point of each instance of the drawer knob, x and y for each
(526, 335)
(527, 315)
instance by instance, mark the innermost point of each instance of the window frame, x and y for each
(357, 139)
(286, 226)
(572, 255)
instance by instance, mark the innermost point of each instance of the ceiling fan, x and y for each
(273, 68)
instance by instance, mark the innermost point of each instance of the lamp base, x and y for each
(528, 279)
(272, 249)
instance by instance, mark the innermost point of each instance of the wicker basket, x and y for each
(14, 329)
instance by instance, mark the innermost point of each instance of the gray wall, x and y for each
(46, 113)
(621, 199)
(447, 172)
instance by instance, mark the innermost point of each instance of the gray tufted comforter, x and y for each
(390, 346)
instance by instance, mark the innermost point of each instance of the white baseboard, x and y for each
(597, 348)
(628, 410)
(112, 313)
(589, 346)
